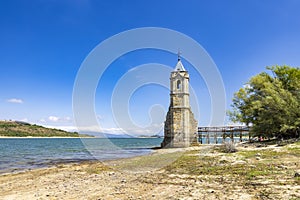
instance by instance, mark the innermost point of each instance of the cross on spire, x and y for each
(179, 66)
(178, 54)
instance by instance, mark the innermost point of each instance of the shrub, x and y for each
(229, 147)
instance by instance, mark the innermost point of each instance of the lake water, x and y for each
(18, 154)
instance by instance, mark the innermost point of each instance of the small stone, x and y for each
(297, 174)
(123, 181)
(111, 173)
(240, 162)
(282, 167)
(257, 158)
(258, 154)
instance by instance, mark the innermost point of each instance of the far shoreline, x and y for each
(21, 137)
(38, 137)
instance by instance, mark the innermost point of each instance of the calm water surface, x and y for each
(28, 153)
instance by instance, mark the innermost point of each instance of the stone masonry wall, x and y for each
(175, 135)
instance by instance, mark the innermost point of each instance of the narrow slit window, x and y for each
(178, 85)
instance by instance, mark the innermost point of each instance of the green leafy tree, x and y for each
(270, 103)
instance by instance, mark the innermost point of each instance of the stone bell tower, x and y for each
(180, 126)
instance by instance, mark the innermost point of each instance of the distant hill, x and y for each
(24, 129)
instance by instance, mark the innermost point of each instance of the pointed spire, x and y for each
(179, 66)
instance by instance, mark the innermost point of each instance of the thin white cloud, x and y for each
(65, 128)
(24, 120)
(53, 118)
(58, 119)
(85, 129)
(90, 129)
(115, 131)
(100, 129)
(14, 100)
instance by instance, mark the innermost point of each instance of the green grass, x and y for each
(154, 161)
(97, 169)
(211, 166)
(267, 166)
(261, 172)
(297, 180)
(294, 149)
(265, 154)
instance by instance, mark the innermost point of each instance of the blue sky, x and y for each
(43, 44)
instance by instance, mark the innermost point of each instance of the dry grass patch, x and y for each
(258, 171)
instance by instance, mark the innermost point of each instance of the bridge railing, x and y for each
(221, 134)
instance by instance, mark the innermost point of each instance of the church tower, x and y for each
(180, 126)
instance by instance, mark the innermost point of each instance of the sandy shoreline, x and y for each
(164, 174)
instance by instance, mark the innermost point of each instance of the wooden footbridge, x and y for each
(220, 134)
